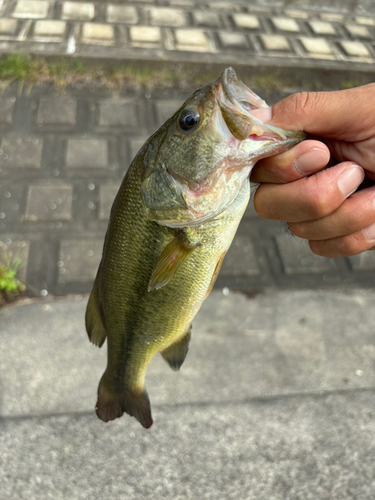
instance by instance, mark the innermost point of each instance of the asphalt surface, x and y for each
(275, 401)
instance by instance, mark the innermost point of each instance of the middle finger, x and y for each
(309, 198)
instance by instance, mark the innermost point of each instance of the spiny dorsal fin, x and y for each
(94, 325)
(176, 353)
(170, 260)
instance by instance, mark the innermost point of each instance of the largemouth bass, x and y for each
(171, 224)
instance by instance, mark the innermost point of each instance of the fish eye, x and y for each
(189, 119)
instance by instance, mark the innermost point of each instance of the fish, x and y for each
(170, 226)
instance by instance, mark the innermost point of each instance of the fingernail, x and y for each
(263, 114)
(370, 232)
(311, 161)
(350, 179)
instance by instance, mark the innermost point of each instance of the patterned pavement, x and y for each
(63, 155)
(312, 34)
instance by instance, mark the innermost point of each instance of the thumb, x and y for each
(325, 114)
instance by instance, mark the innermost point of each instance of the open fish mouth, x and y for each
(236, 101)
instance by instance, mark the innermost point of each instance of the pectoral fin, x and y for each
(170, 260)
(175, 354)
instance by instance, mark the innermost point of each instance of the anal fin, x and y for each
(94, 324)
(176, 353)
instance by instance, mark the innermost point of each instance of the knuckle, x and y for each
(298, 229)
(318, 248)
(319, 206)
(350, 245)
(345, 246)
(302, 102)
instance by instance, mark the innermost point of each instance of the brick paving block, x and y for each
(14, 249)
(50, 28)
(117, 113)
(299, 14)
(332, 17)
(192, 40)
(297, 257)
(355, 49)
(8, 26)
(56, 111)
(21, 152)
(246, 21)
(363, 262)
(126, 14)
(106, 198)
(101, 34)
(49, 200)
(233, 40)
(241, 259)
(322, 28)
(145, 35)
(368, 21)
(358, 31)
(11, 197)
(87, 153)
(317, 46)
(26, 9)
(178, 3)
(275, 42)
(165, 109)
(79, 260)
(74, 10)
(135, 145)
(285, 24)
(209, 19)
(6, 110)
(222, 6)
(160, 16)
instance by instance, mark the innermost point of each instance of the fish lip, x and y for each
(234, 89)
(230, 88)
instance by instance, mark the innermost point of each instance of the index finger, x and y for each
(325, 114)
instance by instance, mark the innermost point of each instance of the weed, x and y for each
(9, 284)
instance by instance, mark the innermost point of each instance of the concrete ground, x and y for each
(275, 401)
(276, 398)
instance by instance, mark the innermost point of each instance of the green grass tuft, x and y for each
(10, 286)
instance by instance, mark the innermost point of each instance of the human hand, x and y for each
(320, 204)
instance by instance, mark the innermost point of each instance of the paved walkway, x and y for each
(62, 158)
(276, 398)
(317, 34)
(275, 401)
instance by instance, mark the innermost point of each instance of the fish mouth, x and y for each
(236, 101)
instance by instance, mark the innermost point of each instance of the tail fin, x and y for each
(112, 405)
(94, 324)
